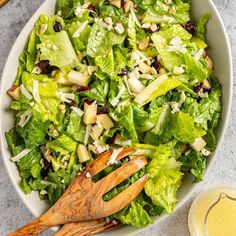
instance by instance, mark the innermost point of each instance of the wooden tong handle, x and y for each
(3, 2)
(33, 228)
(86, 228)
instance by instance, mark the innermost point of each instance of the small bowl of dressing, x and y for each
(213, 213)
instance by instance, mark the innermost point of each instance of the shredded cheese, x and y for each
(81, 9)
(80, 29)
(87, 133)
(65, 96)
(21, 155)
(116, 99)
(134, 17)
(25, 117)
(36, 91)
(112, 160)
(78, 111)
(25, 92)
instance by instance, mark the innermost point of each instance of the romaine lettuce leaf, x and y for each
(34, 132)
(196, 163)
(76, 128)
(195, 68)
(126, 119)
(208, 108)
(201, 26)
(63, 144)
(158, 87)
(96, 91)
(157, 135)
(181, 127)
(47, 110)
(165, 179)
(101, 41)
(27, 163)
(57, 49)
(80, 42)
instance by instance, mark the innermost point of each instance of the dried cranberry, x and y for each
(103, 110)
(124, 71)
(46, 168)
(83, 88)
(91, 7)
(122, 3)
(71, 103)
(57, 26)
(89, 102)
(156, 64)
(190, 27)
(198, 88)
(158, 27)
(45, 67)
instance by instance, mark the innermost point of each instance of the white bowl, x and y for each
(219, 51)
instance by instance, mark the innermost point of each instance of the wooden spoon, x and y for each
(86, 228)
(83, 201)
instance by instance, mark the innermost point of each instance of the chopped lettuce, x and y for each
(196, 163)
(63, 145)
(57, 49)
(165, 178)
(201, 26)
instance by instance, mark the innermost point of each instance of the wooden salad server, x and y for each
(84, 228)
(82, 201)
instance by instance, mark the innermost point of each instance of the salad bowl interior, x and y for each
(219, 51)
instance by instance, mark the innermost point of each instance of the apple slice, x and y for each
(97, 131)
(14, 92)
(79, 78)
(105, 121)
(90, 113)
(82, 153)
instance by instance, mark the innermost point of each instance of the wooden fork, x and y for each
(85, 228)
(83, 201)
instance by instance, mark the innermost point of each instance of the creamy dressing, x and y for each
(213, 213)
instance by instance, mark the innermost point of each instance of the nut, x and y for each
(128, 5)
(143, 44)
(172, 10)
(209, 63)
(43, 29)
(62, 108)
(162, 71)
(153, 27)
(206, 85)
(168, 2)
(144, 68)
(116, 3)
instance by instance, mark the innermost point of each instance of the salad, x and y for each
(111, 74)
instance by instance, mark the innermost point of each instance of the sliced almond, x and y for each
(128, 4)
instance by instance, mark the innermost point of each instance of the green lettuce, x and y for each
(196, 163)
(158, 87)
(126, 119)
(76, 128)
(63, 144)
(57, 49)
(164, 179)
(201, 26)
(34, 132)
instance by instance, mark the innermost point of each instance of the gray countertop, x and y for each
(14, 214)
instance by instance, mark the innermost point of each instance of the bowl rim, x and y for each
(224, 123)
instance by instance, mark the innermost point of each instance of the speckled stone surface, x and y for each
(14, 214)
